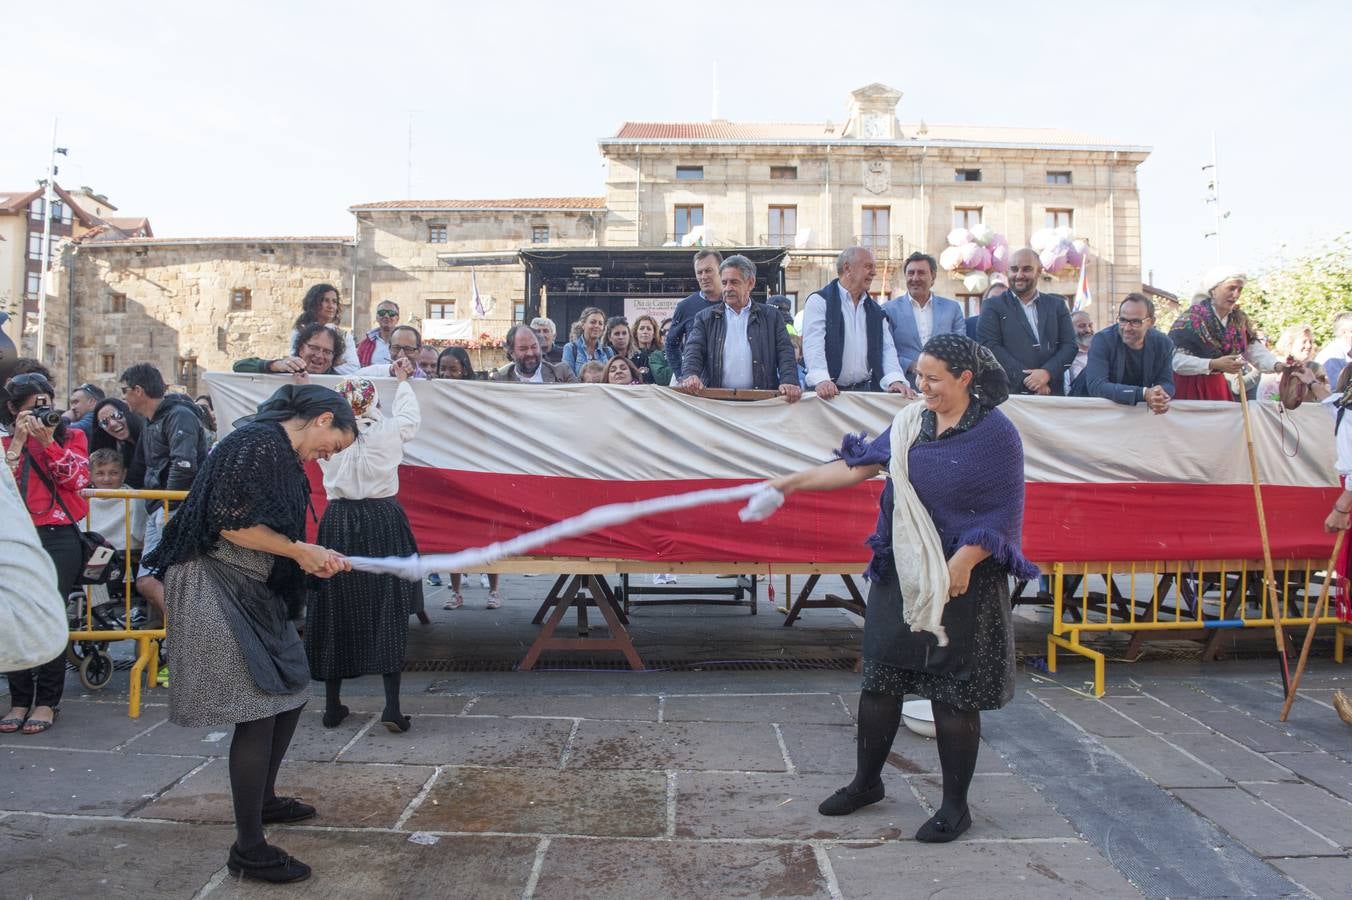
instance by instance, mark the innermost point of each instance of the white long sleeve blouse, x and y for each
(369, 468)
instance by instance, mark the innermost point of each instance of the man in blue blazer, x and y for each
(1029, 332)
(919, 314)
(1131, 362)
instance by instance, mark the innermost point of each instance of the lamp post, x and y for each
(48, 193)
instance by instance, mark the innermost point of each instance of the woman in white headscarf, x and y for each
(1214, 338)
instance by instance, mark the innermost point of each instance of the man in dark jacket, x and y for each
(1131, 362)
(707, 275)
(1029, 332)
(738, 343)
(174, 446)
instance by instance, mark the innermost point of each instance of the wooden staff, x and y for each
(1269, 577)
(1319, 609)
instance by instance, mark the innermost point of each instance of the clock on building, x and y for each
(875, 126)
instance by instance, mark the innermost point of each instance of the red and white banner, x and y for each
(1105, 482)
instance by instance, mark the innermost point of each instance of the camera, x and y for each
(47, 416)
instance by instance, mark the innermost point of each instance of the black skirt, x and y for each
(356, 623)
(974, 671)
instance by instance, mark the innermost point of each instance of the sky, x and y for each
(272, 118)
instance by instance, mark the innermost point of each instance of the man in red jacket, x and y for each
(375, 347)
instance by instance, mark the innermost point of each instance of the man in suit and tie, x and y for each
(526, 367)
(1131, 362)
(920, 314)
(1029, 332)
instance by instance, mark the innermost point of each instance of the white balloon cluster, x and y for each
(975, 252)
(1058, 250)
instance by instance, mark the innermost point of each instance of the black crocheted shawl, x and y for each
(252, 477)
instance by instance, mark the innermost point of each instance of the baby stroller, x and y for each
(101, 607)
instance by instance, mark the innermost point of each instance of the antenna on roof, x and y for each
(714, 115)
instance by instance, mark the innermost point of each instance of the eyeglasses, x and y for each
(387, 314)
(114, 416)
(318, 351)
(404, 349)
(87, 388)
(1123, 320)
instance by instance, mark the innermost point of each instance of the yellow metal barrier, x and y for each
(147, 655)
(1201, 597)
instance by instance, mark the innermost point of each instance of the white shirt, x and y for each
(924, 317)
(1187, 364)
(854, 355)
(537, 378)
(1030, 313)
(369, 467)
(382, 370)
(1343, 440)
(109, 518)
(737, 372)
(381, 353)
(33, 624)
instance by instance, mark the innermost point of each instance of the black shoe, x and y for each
(843, 802)
(396, 726)
(334, 718)
(938, 830)
(286, 809)
(266, 863)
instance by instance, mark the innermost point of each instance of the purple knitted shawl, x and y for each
(971, 483)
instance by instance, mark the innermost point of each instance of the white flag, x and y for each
(1083, 297)
(479, 309)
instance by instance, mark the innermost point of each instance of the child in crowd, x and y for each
(109, 517)
(593, 373)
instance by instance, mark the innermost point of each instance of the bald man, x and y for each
(1029, 332)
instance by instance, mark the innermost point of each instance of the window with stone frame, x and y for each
(436, 234)
(441, 309)
(783, 227)
(966, 174)
(687, 219)
(875, 232)
(108, 362)
(971, 304)
(783, 173)
(117, 302)
(518, 311)
(1060, 218)
(241, 299)
(1061, 177)
(690, 173)
(539, 234)
(966, 216)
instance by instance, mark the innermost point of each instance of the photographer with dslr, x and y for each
(49, 460)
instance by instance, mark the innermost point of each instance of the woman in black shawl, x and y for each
(116, 427)
(234, 562)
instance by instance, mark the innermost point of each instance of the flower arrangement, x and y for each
(484, 341)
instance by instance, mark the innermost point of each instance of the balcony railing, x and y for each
(778, 239)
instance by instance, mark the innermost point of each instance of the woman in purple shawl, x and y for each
(966, 468)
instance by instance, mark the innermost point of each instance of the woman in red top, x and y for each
(43, 457)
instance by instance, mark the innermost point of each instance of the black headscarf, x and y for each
(303, 401)
(990, 385)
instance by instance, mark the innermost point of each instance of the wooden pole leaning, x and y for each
(1269, 577)
(1319, 609)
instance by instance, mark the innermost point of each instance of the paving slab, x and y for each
(312, 741)
(623, 870)
(363, 865)
(676, 745)
(1253, 732)
(1094, 716)
(372, 700)
(1164, 764)
(77, 781)
(1324, 877)
(531, 743)
(1010, 871)
(831, 748)
(344, 795)
(1232, 759)
(1312, 806)
(77, 857)
(90, 726)
(1182, 697)
(545, 801)
(1258, 826)
(1155, 716)
(1002, 807)
(822, 709)
(628, 708)
(1324, 769)
(756, 805)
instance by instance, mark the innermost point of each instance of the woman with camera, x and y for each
(50, 463)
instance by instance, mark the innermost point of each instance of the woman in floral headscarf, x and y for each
(1214, 338)
(357, 623)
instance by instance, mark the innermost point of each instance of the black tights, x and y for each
(256, 753)
(333, 695)
(957, 731)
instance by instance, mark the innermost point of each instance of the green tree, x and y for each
(1310, 289)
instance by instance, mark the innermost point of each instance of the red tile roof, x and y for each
(517, 203)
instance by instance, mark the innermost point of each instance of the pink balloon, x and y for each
(971, 255)
(1074, 258)
(958, 237)
(950, 258)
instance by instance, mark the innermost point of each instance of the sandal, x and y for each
(38, 726)
(267, 863)
(455, 602)
(287, 809)
(9, 726)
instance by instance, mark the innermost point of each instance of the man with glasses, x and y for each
(404, 346)
(375, 347)
(1131, 362)
(81, 413)
(1084, 334)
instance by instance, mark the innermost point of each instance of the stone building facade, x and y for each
(811, 188)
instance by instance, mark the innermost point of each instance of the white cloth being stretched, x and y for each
(764, 500)
(922, 571)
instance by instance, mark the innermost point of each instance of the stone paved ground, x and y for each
(1179, 783)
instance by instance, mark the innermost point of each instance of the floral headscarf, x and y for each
(360, 394)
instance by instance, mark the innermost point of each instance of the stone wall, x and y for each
(170, 303)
